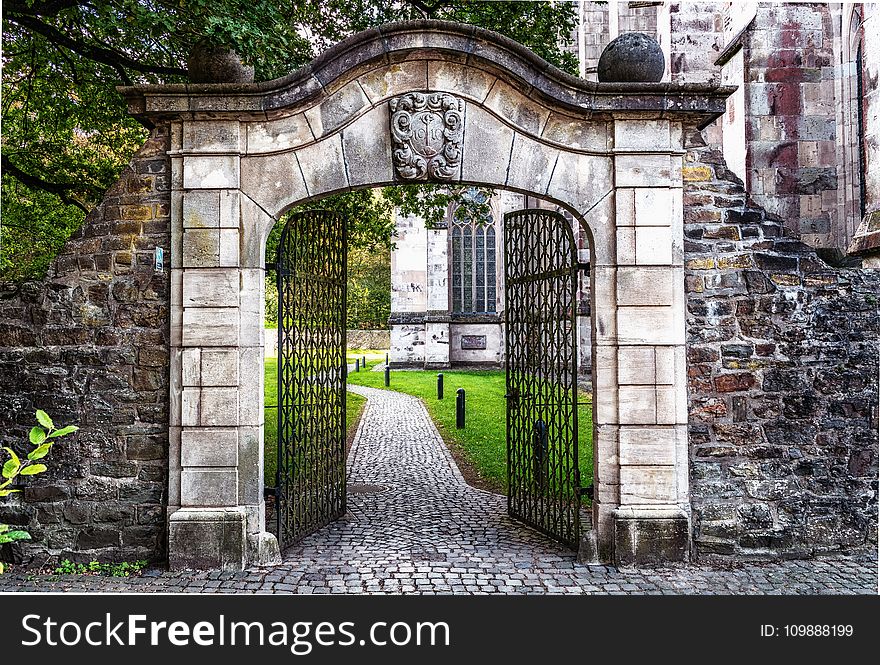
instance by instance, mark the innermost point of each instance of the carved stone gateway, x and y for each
(390, 106)
(427, 129)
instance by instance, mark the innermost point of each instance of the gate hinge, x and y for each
(585, 266)
(586, 491)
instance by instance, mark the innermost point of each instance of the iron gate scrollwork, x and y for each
(542, 433)
(311, 271)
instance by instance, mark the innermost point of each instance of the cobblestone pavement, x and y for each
(415, 526)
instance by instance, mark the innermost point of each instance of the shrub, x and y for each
(42, 436)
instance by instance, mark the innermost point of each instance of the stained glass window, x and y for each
(472, 259)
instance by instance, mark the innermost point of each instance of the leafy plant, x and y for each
(42, 436)
(124, 569)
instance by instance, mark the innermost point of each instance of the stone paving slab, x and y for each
(414, 526)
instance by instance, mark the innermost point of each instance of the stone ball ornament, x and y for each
(634, 57)
(208, 64)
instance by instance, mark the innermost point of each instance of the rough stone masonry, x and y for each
(782, 379)
(89, 345)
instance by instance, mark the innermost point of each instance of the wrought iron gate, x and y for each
(311, 267)
(541, 269)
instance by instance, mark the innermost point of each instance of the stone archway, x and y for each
(243, 154)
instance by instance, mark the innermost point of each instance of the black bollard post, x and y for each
(386, 358)
(440, 385)
(459, 408)
(357, 365)
(387, 376)
(364, 362)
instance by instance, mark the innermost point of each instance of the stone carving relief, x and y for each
(426, 135)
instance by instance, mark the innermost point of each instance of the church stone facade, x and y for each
(802, 132)
(447, 289)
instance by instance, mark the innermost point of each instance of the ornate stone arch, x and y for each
(243, 154)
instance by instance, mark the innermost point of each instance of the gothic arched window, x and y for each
(472, 258)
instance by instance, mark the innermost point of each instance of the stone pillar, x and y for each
(644, 348)
(408, 292)
(216, 514)
(437, 318)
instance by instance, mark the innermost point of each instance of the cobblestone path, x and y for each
(414, 526)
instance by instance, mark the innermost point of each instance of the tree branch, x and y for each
(103, 55)
(57, 188)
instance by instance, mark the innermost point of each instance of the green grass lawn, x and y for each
(353, 406)
(483, 441)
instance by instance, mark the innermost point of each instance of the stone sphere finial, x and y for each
(209, 64)
(634, 57)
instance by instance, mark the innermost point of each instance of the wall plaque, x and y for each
(473, 342)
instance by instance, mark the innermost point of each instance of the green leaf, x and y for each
(33, 469)
(44, 419)
(7, 492)
(4, 528)
(13, 455)
(18, 535)
(37, 435)
(40, 452)
(64, 431)
(12, 465)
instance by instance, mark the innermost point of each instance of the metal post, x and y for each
(386, 358)
(364, 362)
(357, 365)
(387, 376)
(459, 408)
(440, 385)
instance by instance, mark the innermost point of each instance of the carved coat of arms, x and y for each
(426, 135)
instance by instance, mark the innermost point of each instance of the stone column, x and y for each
(408, 292)
(216, 338)
(646, 350)
(437, 317)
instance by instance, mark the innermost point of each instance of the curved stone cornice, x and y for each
(424, 40)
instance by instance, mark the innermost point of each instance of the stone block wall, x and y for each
(791, 118)
(89, 345)
(782, 380)
(696, 40)
(368, 339)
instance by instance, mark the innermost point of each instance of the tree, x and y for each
(67, 135)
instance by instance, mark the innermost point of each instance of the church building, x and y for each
(802, 132)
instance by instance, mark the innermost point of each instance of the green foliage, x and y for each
(271, 315)
(66, 132)
(43, 437)
(369, 287)
(124, 569)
